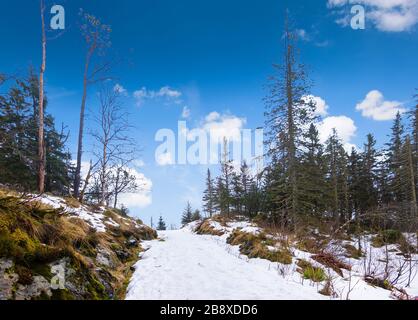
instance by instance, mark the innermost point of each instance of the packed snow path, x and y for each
(186, 266)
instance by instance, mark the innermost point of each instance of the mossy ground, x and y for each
(33, 236)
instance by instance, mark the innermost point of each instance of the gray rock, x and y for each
(7, 279)
(104, 258)
(39, 285)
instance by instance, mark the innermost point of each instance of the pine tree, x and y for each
(187, 216)
(19, 141)
(225, 181)
(354, 170)
(288, 112)
(394, 159)
(415, 141)
(312, 174)
(368, 196)
(209, 196)
(337, 177)
(161, 225)
(250, 201)
(237, 196)
(408, 177)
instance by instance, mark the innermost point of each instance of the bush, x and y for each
(387, 237)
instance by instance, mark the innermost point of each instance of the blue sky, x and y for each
(216, 56)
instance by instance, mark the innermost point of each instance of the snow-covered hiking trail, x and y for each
(186, 266)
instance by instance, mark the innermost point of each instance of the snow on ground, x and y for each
(96, 220)
(186, 266)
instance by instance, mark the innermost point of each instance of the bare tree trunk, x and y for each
(81, 129)
(116, 194)
(412, 178)
(86, 183)
(104, 179)
(41, 153)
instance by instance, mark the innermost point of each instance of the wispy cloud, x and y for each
(167, 94)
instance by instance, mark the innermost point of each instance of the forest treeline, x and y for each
(306, 180)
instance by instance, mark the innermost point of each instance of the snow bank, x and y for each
(97, 220)
(351, 285)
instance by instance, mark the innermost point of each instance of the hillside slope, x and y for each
(56, 248)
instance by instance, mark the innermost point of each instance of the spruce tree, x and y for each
(368, 196)
(394, 159)
(225, 181)
(187, 216)
(161, 225)
(209, 196)
(408, 178)
(337, 178)
(19, 141)
(312, 175)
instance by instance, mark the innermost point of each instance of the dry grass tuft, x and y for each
(330, 261)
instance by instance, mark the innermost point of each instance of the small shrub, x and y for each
(387, 237)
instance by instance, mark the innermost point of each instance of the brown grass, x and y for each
(330, 261)
(206, 228)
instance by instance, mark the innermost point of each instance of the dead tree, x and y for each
(114, 149)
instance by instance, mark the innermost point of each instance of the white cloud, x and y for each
(224, 125)
(166, 93)
(321, 105)
(186, 113)
(165, 159)
(143, 197)
(120, 89)
(375, 107)
(386, 15)
(345, 127)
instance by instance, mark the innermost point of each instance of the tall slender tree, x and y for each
(288, 112)
(96, 36)
(41, 139)
(312, 174)
(394, 158)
